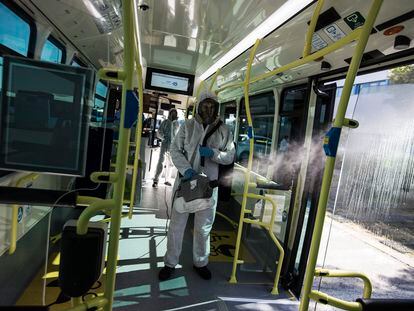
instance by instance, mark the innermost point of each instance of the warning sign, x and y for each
(222, 247)
(334, 32)
(317, 42)
(354, 20)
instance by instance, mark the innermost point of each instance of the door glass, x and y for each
(368, 226)
(291, 132)
(262, 108)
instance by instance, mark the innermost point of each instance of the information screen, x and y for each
(169, 81)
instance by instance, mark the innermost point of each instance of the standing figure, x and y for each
(192, 154)
(166, 133)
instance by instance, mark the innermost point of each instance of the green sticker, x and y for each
(354, 20)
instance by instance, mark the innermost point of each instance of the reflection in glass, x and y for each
(44, 117)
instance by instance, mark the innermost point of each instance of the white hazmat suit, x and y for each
(184, 148)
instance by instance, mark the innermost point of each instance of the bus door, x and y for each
(298, 254)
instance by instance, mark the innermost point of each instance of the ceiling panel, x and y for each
(286, 45)
(191, 35)
(198, 32)
(96, 34)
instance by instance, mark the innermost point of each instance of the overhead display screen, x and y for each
(169, 81)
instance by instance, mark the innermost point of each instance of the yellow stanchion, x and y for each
(249, 164)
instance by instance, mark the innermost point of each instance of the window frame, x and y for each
(59, 45)
(33, 30)
(79, 61)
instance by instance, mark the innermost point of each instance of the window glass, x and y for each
(14, 31)
(52, 53)
(262, 108)
(101, 89)
(294, 99)
(291, 131)
(99, 103)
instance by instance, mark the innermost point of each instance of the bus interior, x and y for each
(317, 211)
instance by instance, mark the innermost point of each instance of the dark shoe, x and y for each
(155, 184)
(203, 272)
(167, 183)
(165, 273)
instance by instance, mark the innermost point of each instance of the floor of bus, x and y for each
(142, 246)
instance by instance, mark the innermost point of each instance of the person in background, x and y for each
(186, 154)
(166, 133)
(284, 144)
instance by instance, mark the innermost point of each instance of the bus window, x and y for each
(262, 108)
(291, 131)
(15, 32)
(53, 51)
(101, 92)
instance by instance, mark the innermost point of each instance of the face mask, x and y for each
(208, 111)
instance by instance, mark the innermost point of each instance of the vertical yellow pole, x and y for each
(122, 155)
(200, 86)
(138, 132)
(249, 164)
(214, 79)
(330, 161)
(311, 28)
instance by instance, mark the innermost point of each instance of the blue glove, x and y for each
(188, 174)
(206, 152)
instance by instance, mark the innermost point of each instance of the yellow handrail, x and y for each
(329, 49)
(311, 29)
(347, 274)
(138, 132)
(330, 161)
(269, 228)
(199, 88)
(117, 177)
(249, 164)
(213, 80)
(335, 302)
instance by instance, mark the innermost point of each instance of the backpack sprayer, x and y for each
(195, 194)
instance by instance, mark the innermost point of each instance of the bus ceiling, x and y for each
(193, 38)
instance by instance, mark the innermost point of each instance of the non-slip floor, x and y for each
(141, 250)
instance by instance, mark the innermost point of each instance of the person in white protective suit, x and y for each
(186, 154)
(166, 133)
